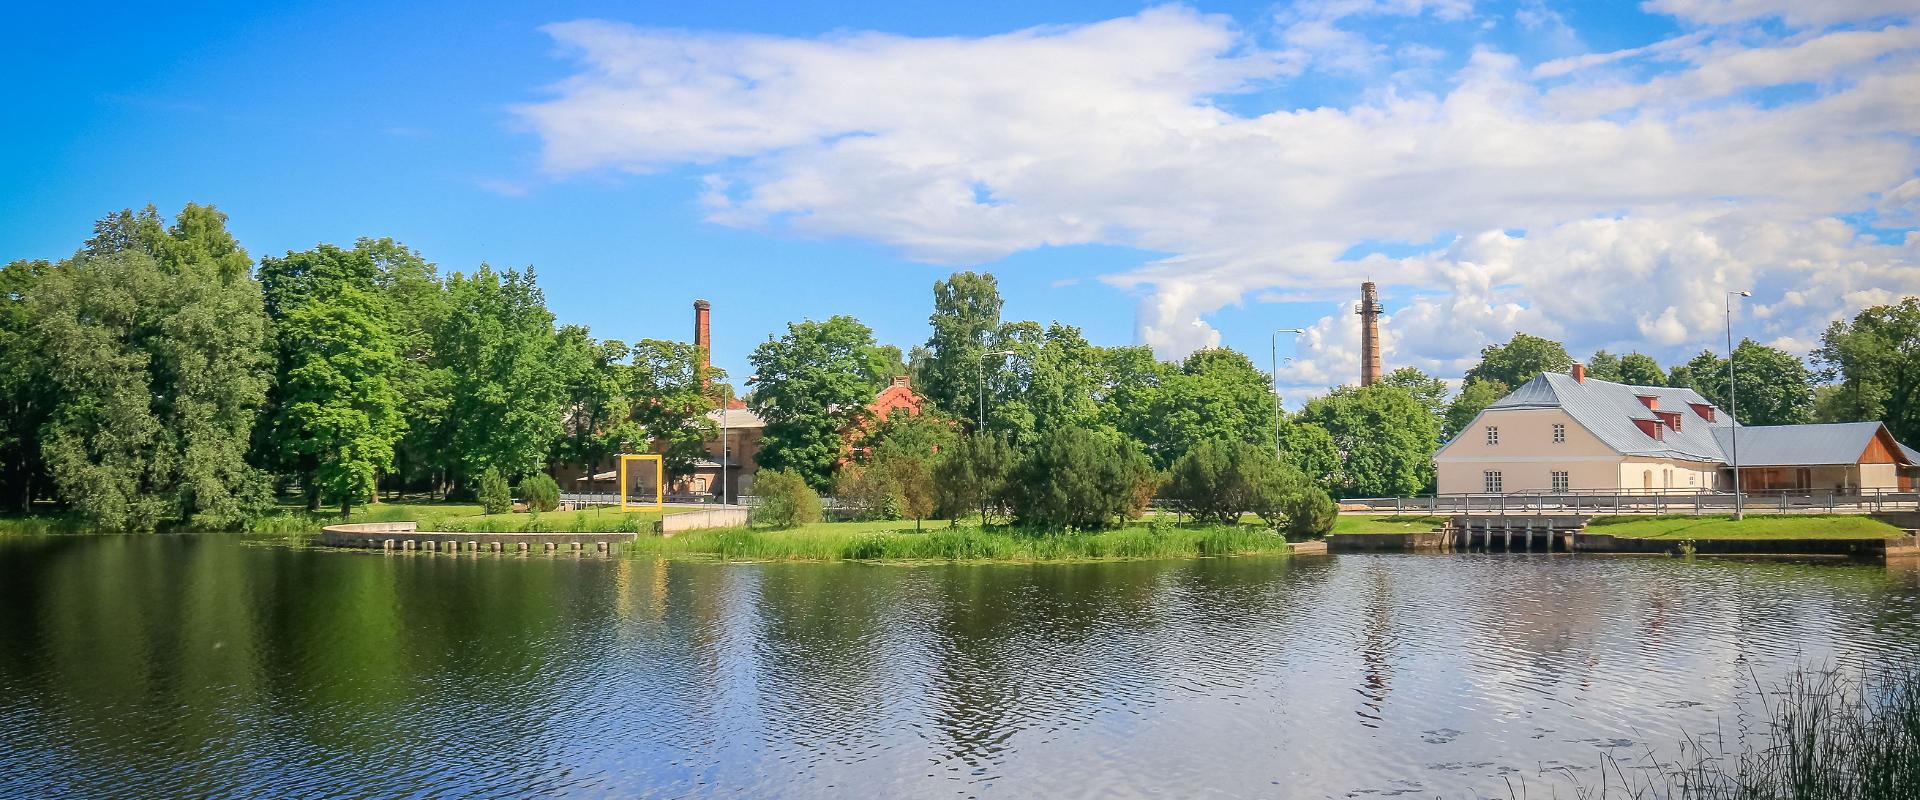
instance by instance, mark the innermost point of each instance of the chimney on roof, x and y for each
(1579, 373)
(1369, 335)
(703, 332)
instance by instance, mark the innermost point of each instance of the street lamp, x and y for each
(1274, 354)
(1733, 406)
(980, 383)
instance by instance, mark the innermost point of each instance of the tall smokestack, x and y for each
(1369, 335)
(702, 332)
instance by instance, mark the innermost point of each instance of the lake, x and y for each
(213, 666)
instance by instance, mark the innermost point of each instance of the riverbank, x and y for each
(431, 515)
(1675, 527)
(898, 541)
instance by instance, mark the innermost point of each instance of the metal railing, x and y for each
(1789, 501)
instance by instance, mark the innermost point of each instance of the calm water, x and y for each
(213, 667)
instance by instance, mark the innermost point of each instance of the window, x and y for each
(1559, 433)
(1493, 482)
(1693, 479)
(1560, 481)
(1493, 435)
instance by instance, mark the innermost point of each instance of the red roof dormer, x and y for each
(1650, 401)
(1652, 428)
(1705, 410)
(1671, 418)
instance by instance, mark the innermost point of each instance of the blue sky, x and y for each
(816, 184)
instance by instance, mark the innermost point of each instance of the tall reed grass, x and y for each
(842, 542)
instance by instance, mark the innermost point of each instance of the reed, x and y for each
(857, 542)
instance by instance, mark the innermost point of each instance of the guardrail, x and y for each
(1588, 502)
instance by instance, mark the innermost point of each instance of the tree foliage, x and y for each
(1875, 360)
(1078, 479)
(973, 478)
(26, 392)
(1217, 394)
(670, 394)
(786, 500)
(1218, 481)
(813, 388)
(497, 344)
(1430, 392)
(495, 496)
(1385, 438)
(1775, 387)
(1473, 398)
(540, 491)
(966, 314)
(1519, 360)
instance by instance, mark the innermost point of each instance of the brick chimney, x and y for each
(702, 332)
(1579, 373)
(1369, 335)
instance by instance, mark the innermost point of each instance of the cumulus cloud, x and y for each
(1576, 199)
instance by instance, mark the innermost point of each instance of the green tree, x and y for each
(1605, 366)
(156, 345)
(884, 363)
(1775, 387)
(26, 396)
(869, 491)
(670, 393)
(1385, 438)
(495, 496)
(1310, 449)
(506, 394)
(1429, 391)
(1519, 360)
(786, 501)
(541, 492)
(1218, 481)
(966, 314)
(1639, 369)
(1875, 361)
(338, 412)
(813, 389)
(418, 307)
(1078, 479)
(1216, 394)
(974, 477)
(599, 400)
(913, 475)
(928, 435)
(1474, 398)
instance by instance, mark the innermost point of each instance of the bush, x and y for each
(1310, 511)
(1076, 478)
(541, 492)
(868, 491)
(786, 501)
(973, 478)
(1216, 481)
(494, 495)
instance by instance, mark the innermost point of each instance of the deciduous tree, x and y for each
(1520, 359)
(1875, 359)
(1775, 387)
(1385, 438)
(813, 388)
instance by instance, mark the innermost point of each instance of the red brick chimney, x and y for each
(1369, 334)
(702, 332)
(1579, 373)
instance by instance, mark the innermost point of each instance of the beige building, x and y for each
(1569, 433)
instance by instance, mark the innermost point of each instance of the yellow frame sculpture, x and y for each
(659, 484)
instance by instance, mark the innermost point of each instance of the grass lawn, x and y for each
(454, 517)
(1354, 523)
(897, 541)
(1770, 526)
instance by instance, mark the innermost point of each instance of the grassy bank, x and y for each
(1354, 523)
(453, 517)
(897, 541)
(1786, 526)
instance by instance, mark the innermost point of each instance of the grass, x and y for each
(897, 541)
(297, 522)
(1353, 523)
(1828, 736)
(1786, 526)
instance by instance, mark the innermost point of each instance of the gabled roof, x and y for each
(736, 418)
(1609, 409)
(1805, 445)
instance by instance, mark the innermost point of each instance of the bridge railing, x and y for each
(1792, 501)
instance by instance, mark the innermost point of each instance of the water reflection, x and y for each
(183, 666)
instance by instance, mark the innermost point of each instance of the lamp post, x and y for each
(980, 384)
(1274, 354)
(1733, 406)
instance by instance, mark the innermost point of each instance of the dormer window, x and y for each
(1559, 433)
(1493, 436)
(1705, 410)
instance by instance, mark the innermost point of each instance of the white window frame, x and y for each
(1560, 480)
(1493, 436)
(1559, 433)
(1493, 482)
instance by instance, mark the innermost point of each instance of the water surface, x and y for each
(214, 667)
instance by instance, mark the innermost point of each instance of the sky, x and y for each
(1176, 175)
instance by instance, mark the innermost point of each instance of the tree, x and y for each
(1605, 366)
(1216, 394)
(1875, 359)
(973, 477)
(417, 308)
(1639, 369)
(1519, 360)
(26, 396)
(928, 435)
(540, 491)
(670, 393)
(1474, 398)
(786, 501)
(505, 391)
(1310, 449)
(1218, 481)
(913, 476)
(966, 313)
(884, 363)
(869, 491)
(1076, 479)
(1309, 512)
(333, 415)
(1385, 438)
(1430, 392)
(493, 493)
(1775, 387)
(813, 389)
(156, 346)
(598, 391)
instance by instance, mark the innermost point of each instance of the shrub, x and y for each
(541, 492)
(1310, 511)
(1076, 478)
(786, 501)
(494, 496)
(869, 491)
(973, 478)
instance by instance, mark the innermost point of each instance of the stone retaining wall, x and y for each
(408, 536)
(700, 520)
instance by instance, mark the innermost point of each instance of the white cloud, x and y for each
(1797, 12)
(965, 150)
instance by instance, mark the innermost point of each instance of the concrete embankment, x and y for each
(1500, 533)
(408, 536)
